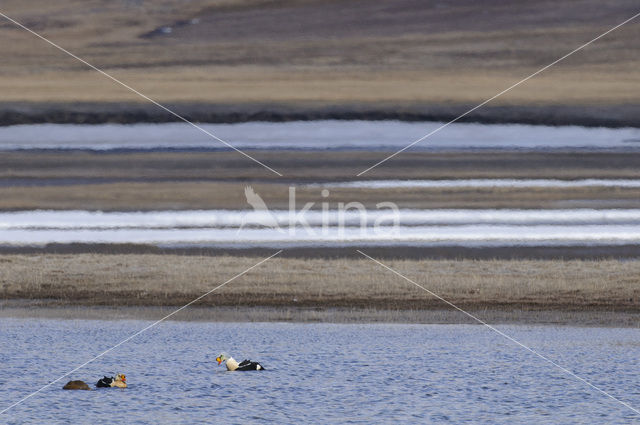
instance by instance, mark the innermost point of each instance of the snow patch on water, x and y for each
(78, 219)
(233, 227)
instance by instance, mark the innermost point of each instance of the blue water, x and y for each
(318, 373)
(319, 135)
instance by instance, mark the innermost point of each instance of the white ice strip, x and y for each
(481, 183)
(75, 219)
(328, 134)
(501, 234)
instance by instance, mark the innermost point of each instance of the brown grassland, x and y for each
(141, 280)
(323, 52)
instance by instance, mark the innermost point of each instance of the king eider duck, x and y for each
(76, 385)
(119, 381)
(232, 364)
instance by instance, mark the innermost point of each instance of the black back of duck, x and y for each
(249, 365)
(104, 382)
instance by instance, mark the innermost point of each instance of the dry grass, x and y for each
(89, 279)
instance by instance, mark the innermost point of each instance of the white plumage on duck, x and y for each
(232, 363)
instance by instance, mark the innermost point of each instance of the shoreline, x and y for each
(607, 115)
(625, 252)
(34, 309)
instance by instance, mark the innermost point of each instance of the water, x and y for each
(242, 228)
(278, 228)
(318, 373)
(317, 135)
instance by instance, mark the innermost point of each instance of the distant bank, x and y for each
(50, 309)
(610, 115)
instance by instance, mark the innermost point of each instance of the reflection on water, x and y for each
(319, 373)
